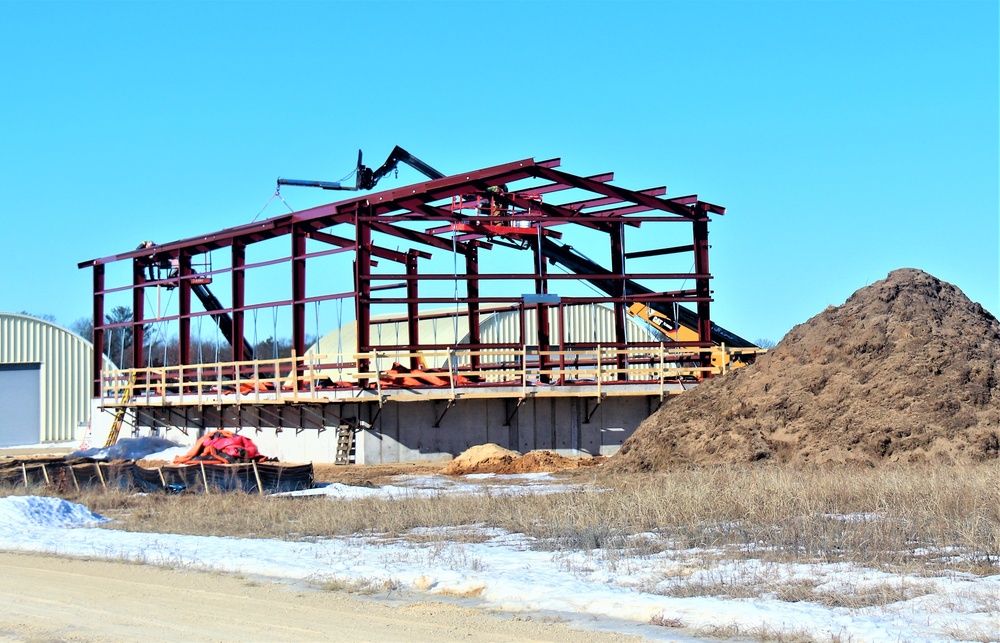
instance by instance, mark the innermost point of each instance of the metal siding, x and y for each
(20, 403)
(65, 359)
(585, 323)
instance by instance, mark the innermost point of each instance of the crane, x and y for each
(365, 177)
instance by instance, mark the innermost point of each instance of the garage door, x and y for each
(20, 404)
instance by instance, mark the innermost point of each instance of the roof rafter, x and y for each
(615, 191)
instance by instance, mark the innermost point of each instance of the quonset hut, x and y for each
(486, 246)
(45, 391)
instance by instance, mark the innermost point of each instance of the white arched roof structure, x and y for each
(44, 381)
(582, 323)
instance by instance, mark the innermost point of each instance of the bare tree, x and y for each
(84, 327)
(44, 317)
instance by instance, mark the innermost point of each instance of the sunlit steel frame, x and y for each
(609, 209)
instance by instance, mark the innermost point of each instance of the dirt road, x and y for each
(45, 598)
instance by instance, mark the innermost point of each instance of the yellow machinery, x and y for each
(679, 333)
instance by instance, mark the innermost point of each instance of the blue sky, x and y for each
(846, 139)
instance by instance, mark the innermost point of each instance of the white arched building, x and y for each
(583, 323)
(45, 394)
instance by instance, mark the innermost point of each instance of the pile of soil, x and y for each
(492, 458)
(906, 370)
(482, 458)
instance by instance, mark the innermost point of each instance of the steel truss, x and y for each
(526, 204)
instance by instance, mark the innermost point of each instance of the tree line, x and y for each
(160, 351)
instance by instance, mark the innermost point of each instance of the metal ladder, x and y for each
(116, 424)
(345, 444)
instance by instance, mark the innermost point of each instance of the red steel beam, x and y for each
(298, 290)
(239, 259)
(184, 309)
(608, 200)
(138, 315)
(412, 308)
(98, 338)
(700, 235)
(612, 190)
(472, 292)
(559, 187)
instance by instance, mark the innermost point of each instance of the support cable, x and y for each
(277, 193)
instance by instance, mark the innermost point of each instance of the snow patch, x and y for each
(24, 512)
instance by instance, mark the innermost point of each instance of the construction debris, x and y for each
(72, 474)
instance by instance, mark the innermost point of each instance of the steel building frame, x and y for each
(466, 214)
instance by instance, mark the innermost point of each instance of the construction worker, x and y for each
(149, 261)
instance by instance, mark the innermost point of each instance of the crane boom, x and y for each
(365, 177)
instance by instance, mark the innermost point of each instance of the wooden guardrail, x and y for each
(312, 376)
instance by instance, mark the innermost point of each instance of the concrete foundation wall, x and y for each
(412, 431)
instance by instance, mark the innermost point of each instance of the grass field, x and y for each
(845, 540)
(889, 518)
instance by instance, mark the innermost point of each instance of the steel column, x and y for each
(362, 285)
(98, 337)
(184, 308)
(412, 307)
(138, 316)
(618, 267)
(700, 234)
(472, 295)
(542, 311)
(298, 290)
(239, 260)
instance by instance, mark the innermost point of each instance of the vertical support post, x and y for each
(562, 344)
(239, 260)
(298, 290)
(98, 312)
(412, 308)
(472, 290)
(362, 287)
(184, 310)
(618, 268)
(138, 315)
(702, 290)
(541, 310)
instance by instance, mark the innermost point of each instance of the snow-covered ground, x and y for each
(510, 572)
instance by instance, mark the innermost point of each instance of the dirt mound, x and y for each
(906, 370)
(490, 458)
(482, 458)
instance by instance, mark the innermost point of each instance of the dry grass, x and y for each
(768, 635)
(889, 518)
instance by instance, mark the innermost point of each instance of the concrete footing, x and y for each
(408, 431)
